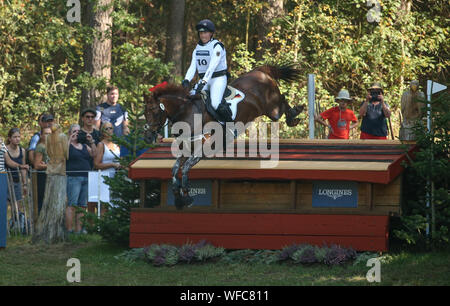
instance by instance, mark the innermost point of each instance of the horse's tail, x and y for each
(286, 72)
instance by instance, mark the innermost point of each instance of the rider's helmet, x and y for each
(205, 25)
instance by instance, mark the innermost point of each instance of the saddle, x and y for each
(223, 112)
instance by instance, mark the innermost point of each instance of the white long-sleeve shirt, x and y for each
(207, 59)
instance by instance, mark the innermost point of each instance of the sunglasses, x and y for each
(108, 128)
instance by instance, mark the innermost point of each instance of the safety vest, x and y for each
(203, 55)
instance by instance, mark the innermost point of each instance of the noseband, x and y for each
(158, 120)
(162, 110)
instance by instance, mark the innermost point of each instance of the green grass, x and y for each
(22, 263)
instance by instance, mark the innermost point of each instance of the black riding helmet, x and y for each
(205, 25)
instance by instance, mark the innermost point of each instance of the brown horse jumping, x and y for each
(173, 102)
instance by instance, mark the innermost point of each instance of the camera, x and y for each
(374, 96)
(82, 137)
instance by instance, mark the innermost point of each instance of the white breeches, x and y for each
(217, 87)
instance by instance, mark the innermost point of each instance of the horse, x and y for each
(173, 102)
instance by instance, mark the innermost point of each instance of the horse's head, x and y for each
(155, 116)
(161, 104)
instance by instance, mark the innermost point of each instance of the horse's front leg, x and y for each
(176, 181)
(190, 162)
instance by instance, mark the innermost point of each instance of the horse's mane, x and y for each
(283, 72)
(170, 89)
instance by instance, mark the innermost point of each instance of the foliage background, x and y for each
(41, 68)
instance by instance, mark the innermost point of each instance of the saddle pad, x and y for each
(233, 99)
(231, 92)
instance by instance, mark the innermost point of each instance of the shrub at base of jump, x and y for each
(308, 254)
(169, 255)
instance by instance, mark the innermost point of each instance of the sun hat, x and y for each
(343, 95)
(376, 85)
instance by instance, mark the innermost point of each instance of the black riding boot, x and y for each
(224, 111)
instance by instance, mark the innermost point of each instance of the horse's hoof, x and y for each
(293, 122)
(179, 204)
(188, 201)
(300, 108)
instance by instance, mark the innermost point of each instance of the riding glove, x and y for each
(200, 86)
(186, 84)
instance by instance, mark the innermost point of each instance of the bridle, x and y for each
(162, 110)
(159, 124)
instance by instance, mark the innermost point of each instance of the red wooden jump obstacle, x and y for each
(253, 208)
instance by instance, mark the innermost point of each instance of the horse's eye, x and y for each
(146, 127)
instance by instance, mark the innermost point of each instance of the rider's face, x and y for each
(205, 36)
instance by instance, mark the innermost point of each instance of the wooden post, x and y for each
(293, 194)
(215, 196)
(142, 193)
(164, 191)
(50, 225)
(370, 195)
(35, 196)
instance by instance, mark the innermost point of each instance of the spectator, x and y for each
(45, 120)
(88, 122)
(113, 112)
(339, 117)
(78, 164)
(15, 159)
(40, 164)
(374, 111)
(107, 155)
(2, 155)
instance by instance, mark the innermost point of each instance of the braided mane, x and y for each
(170, 89)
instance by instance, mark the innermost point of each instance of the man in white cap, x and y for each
(339, 117)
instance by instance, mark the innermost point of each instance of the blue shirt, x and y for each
(115, 114)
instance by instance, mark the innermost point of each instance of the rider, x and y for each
(210, 61)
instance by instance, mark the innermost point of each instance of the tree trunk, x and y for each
(266, 15)
(50, 225)
(97, 55)
(174, 43)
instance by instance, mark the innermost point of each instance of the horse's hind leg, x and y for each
(291, 112)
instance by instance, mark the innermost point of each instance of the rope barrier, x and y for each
(23, 212)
